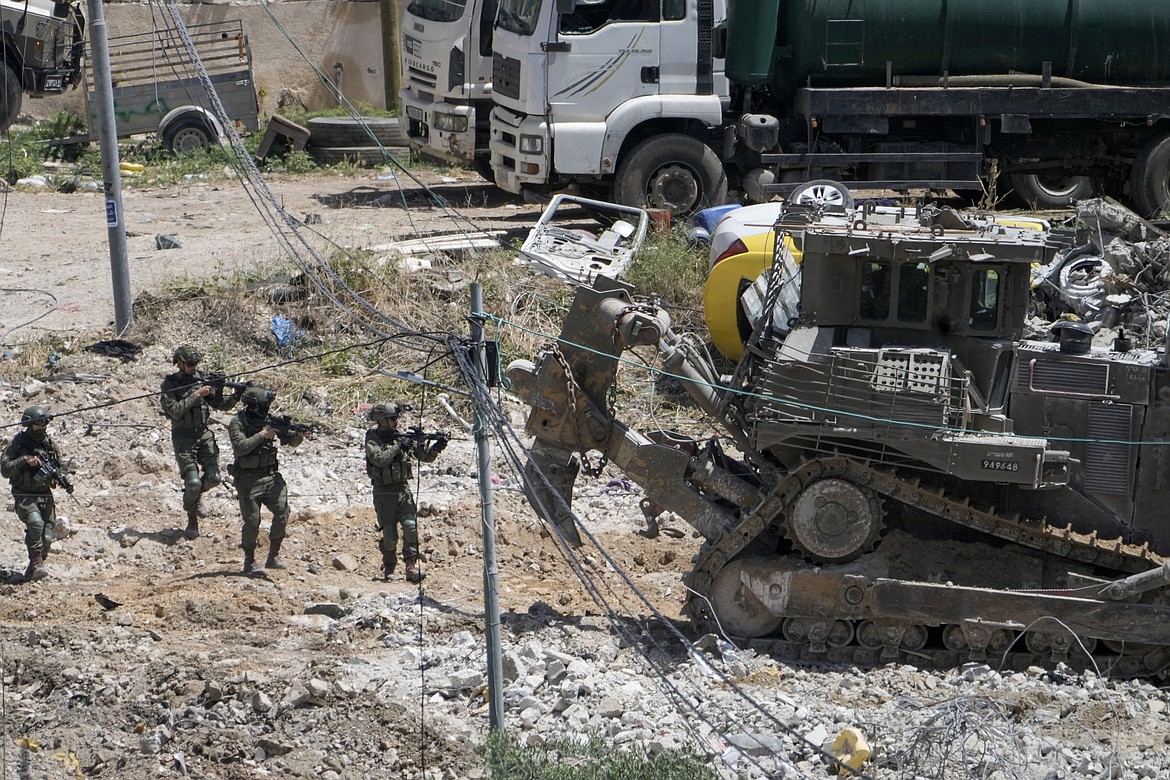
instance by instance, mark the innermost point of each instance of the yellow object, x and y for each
(722, 290)
(851, 749)
(28, 743)
(132, 167)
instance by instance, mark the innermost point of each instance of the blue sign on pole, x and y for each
(111, 213)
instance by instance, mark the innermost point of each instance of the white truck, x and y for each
(42, 44)
(620, 97)
(446, 74)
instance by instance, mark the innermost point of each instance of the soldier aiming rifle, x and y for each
(389, 453)
(31, 462)
(187, 399)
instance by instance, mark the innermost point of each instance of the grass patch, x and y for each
(590, 759)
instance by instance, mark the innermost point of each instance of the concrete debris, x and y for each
(1115, 278)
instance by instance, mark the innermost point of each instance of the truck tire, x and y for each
(344, 132)
(189, 134)
(1149, 181)
(10, 97)
(361, 156)
(671, 171)
(1050, 191)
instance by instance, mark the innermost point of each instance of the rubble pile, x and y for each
(1115, 277)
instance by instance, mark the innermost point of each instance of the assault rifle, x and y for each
(285, 427)
(218, 381)
(50, 471)
(416, 434)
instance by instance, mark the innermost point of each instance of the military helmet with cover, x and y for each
(187, 354)
(258, 397)
(383, 411)
(35, 414)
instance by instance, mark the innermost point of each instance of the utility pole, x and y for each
(491, 570)
(111, 170)
(390, 51)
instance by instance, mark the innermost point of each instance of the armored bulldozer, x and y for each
(899, 475)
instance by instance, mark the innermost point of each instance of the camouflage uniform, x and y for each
(258, 479)
(193, 441)
(388, 464)
(31, 492)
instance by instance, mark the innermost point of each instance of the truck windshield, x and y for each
(518, 16)
(437, 10)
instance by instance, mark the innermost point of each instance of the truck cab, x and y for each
(446, 72)
(614, 95)
(41, 48)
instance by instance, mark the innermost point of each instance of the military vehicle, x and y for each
(899, 475)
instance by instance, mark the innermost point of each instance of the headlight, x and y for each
(450, 123)
(531, 144)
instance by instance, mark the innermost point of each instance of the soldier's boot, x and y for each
(192, 529)
(36, 567)
(250, 565)
(414, 572)
(388, 568)
(274, 559)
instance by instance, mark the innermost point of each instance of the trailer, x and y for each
(157, 89)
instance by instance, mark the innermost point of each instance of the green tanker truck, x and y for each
(1058, 99)
(676, 103)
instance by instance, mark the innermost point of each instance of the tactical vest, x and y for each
(394, 474)
(263, 458)
(177, 387)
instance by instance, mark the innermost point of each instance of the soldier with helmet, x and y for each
(388, 457)
(258, 479)
(187, 401)
(32, 487)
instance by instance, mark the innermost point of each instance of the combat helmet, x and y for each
(35, 414)
(258, 397)
(384, 410)
(187, 354)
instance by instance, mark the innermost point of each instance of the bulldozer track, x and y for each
(1113, 554)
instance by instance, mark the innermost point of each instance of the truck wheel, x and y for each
(1050, 191)
(10, 97)
(188, 135)
(671, 171)
(1149, 182)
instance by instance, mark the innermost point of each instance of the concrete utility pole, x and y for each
(491, 570)
(111, 170)
(390, 51)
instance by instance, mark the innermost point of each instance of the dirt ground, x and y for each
(90, 686)
(147, 655)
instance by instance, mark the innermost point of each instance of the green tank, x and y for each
(849, 42)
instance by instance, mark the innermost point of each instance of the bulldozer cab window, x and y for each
(913, 292)
(876, 281)
(984, 308)
(591, 15)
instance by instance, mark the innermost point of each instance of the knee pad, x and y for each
(192, 485)
(211, 478)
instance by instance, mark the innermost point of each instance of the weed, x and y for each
(588, 759)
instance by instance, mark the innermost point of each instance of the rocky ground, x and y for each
(147, 655)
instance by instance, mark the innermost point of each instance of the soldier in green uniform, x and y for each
(388, 457)
(187, 401)
(32, 489)
(258, 479)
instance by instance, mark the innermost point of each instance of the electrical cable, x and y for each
(512, 446)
